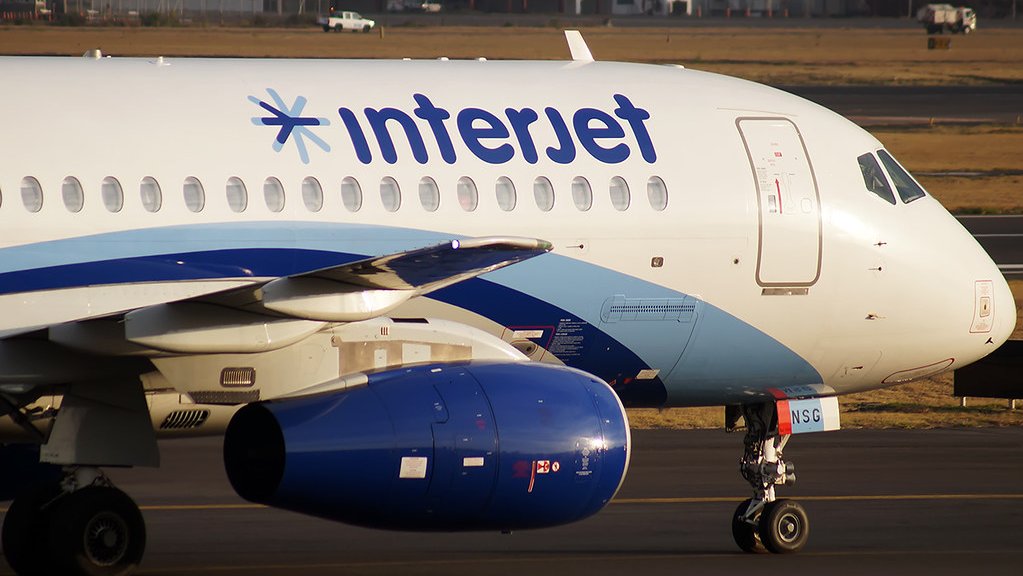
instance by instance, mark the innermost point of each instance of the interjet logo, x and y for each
(611, 133)
(292, 124)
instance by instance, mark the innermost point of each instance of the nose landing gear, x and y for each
(764, 523)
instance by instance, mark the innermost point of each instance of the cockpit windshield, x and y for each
(873, 177)
(908, 189)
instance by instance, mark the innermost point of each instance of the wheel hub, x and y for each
(789, 527)
(106, 539)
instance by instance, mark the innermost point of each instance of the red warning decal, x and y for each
(784, 417)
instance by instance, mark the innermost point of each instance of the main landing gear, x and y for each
(79, 526)
(764, 523)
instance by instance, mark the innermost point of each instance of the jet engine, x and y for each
(473, 446)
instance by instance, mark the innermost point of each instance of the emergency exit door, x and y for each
(789, 252)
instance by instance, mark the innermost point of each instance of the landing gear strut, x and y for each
(764, 523)
(81, 526)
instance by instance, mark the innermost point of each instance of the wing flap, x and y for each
(280, 312)
(372, 287)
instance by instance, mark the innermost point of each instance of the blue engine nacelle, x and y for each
(438, 447)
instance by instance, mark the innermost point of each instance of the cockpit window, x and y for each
(874, 178)
(908, 189)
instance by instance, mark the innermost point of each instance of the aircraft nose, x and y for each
(964, 304)
(994, 308)
(1004, 311)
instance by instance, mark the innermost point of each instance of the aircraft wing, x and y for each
(368, 288)
(270, 315)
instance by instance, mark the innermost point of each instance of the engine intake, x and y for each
(438, 447)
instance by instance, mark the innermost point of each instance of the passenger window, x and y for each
(237, 195)
(351, 194)
(195, 196)
(390, 194)
(71, 193)
(874, 179)
(429, 194)
(582, 194)
(31, 194)
(312, 194)
(149, 191)
(543, 193)
(505, 194)
(273, 194)
(468, 196)
(620, 198)
(908, 189)
(657, 193)
(112, 194)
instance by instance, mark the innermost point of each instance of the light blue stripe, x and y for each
(333, 237)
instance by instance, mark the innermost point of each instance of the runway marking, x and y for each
(190, 507)
(679, 500)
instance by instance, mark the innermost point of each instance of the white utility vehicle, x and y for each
(938, 18)
(340, 21)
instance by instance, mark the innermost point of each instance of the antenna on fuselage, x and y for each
(577, 46)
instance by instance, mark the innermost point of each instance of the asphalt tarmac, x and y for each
(928, 502)
(1002, 237)
(882, 104)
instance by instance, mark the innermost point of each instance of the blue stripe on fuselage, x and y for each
(549, 290)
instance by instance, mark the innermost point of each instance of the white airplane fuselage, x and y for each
(762, 266)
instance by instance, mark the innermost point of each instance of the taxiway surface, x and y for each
(884, 104)
(931, 502)
(1002, 237)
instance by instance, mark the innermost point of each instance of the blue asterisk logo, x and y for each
(292, 123)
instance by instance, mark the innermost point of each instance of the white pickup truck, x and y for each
(339, 21)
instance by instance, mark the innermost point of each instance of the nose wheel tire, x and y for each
(96, 531)
(744, 533)
(784, 527)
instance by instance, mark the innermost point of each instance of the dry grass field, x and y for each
(774, 56)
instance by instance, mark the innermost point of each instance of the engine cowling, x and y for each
(438, 447)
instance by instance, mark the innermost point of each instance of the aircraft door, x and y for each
(789, 212)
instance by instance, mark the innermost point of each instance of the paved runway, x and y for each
(1002, 237)
(1001, 103)
(928, 502)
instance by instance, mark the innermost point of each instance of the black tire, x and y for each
(96, 531)
(745, 534)
(25, 532)
(784, 527)
(366, 28)
(326, 28)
